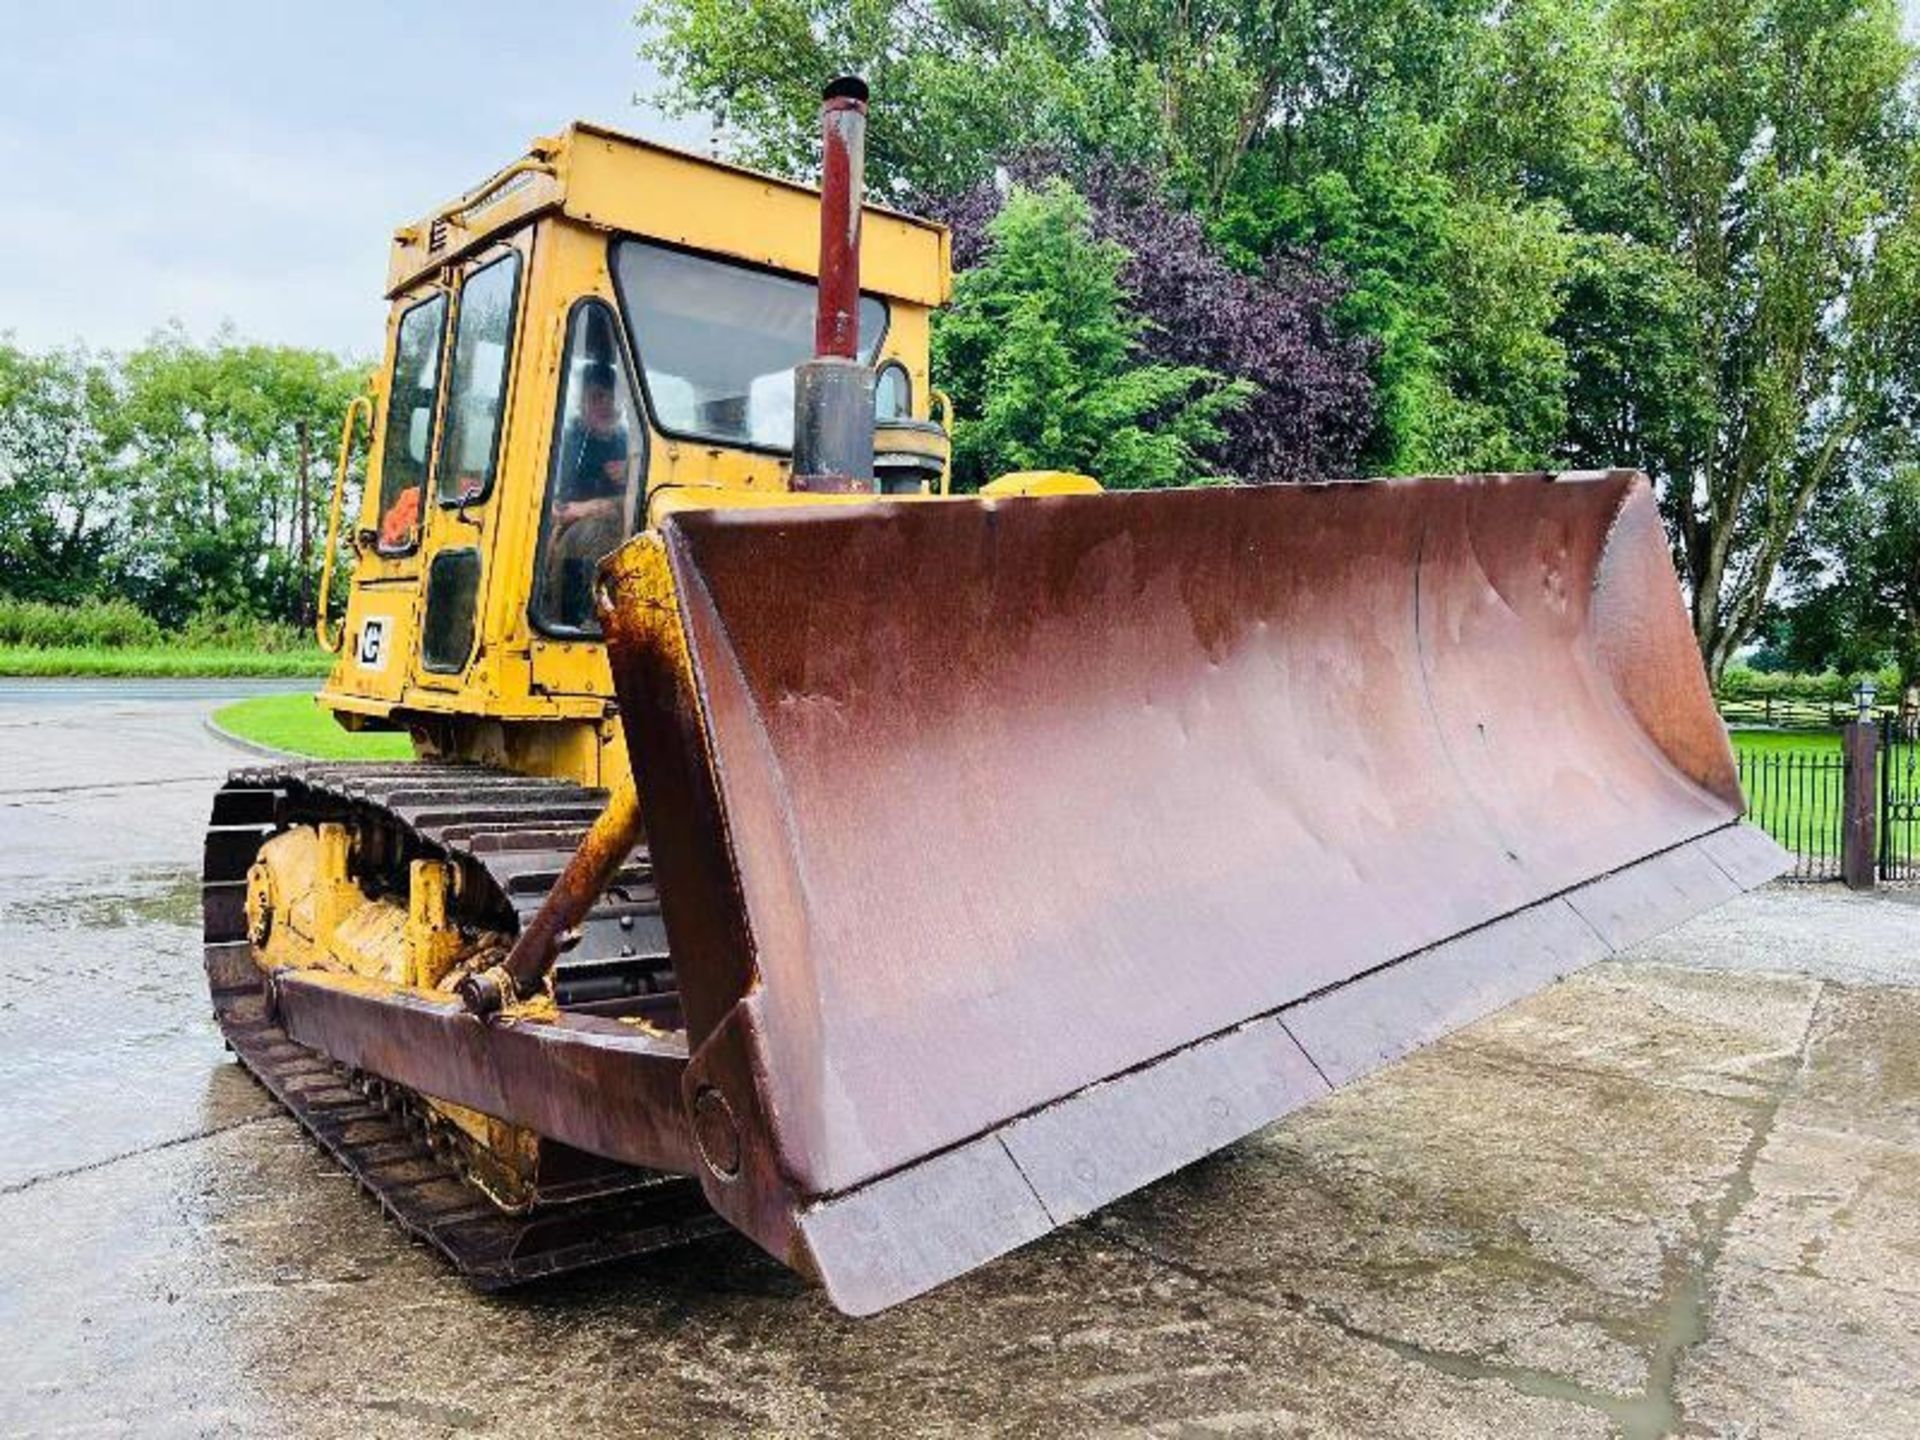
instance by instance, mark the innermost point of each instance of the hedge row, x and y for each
(117, 625)
(1740, 683)
(98, 624)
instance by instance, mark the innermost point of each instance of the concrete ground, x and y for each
(1679, 1193)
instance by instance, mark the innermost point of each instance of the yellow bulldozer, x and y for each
(888, 874)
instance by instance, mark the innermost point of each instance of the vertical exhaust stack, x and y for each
(833, 392)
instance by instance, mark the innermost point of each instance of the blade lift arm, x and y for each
(594, 865)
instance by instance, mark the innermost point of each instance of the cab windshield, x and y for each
(718, 342)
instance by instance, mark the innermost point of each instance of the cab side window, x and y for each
(408, 441)
(892, 393)
(596, 480)
(477, 381)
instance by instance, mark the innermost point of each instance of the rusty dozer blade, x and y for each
(1015, 853)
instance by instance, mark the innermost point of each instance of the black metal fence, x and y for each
(1799, 798)
(1899, 800)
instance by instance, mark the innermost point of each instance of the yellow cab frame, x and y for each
(514, 694)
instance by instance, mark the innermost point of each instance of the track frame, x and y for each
(601, 1211)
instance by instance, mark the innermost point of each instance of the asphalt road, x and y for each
(1677, 1193)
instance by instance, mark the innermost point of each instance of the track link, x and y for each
(510, 835)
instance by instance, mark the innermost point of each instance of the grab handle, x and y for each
(358, 406)
(942, 407)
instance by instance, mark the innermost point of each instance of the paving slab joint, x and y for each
(1688, 1301)
(48, 1177)
(1459, 1365)
(1685, 1302)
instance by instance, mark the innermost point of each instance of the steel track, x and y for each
(509, 835)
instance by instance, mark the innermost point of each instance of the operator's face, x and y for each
(597, 408)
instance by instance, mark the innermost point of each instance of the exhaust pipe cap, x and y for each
(845, 87)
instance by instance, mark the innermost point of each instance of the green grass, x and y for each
(160, 662)
(294, 723)
(1787, 742)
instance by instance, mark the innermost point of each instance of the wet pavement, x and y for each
(1679, 1193)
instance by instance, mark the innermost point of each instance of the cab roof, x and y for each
(623, 184)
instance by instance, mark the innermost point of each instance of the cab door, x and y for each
(382, 609)
(487, 304)
(595, 485)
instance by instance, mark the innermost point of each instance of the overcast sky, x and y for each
(208, 162)
(220, 162)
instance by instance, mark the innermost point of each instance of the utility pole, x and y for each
(306, 529)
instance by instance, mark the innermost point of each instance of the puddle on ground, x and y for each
(106, 1036)
(155, 895)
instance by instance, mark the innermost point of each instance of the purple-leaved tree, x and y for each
(1314, 407)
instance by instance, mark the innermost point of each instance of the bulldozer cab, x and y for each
(603, 323)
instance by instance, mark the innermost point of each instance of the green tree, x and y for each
(216, 435)
(1189, 89)
(1679, 234)
(1333, 128)
(1462, 288)
(1192, 90)
(1749, 336)
(171, 475)
(61, 511)
(1042, 357)
(1855, 589)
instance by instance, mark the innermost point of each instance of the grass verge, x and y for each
(160, 662)
(1787, 742)
(294, 723)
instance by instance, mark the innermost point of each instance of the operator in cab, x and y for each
(589, 493)
(594, 451)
